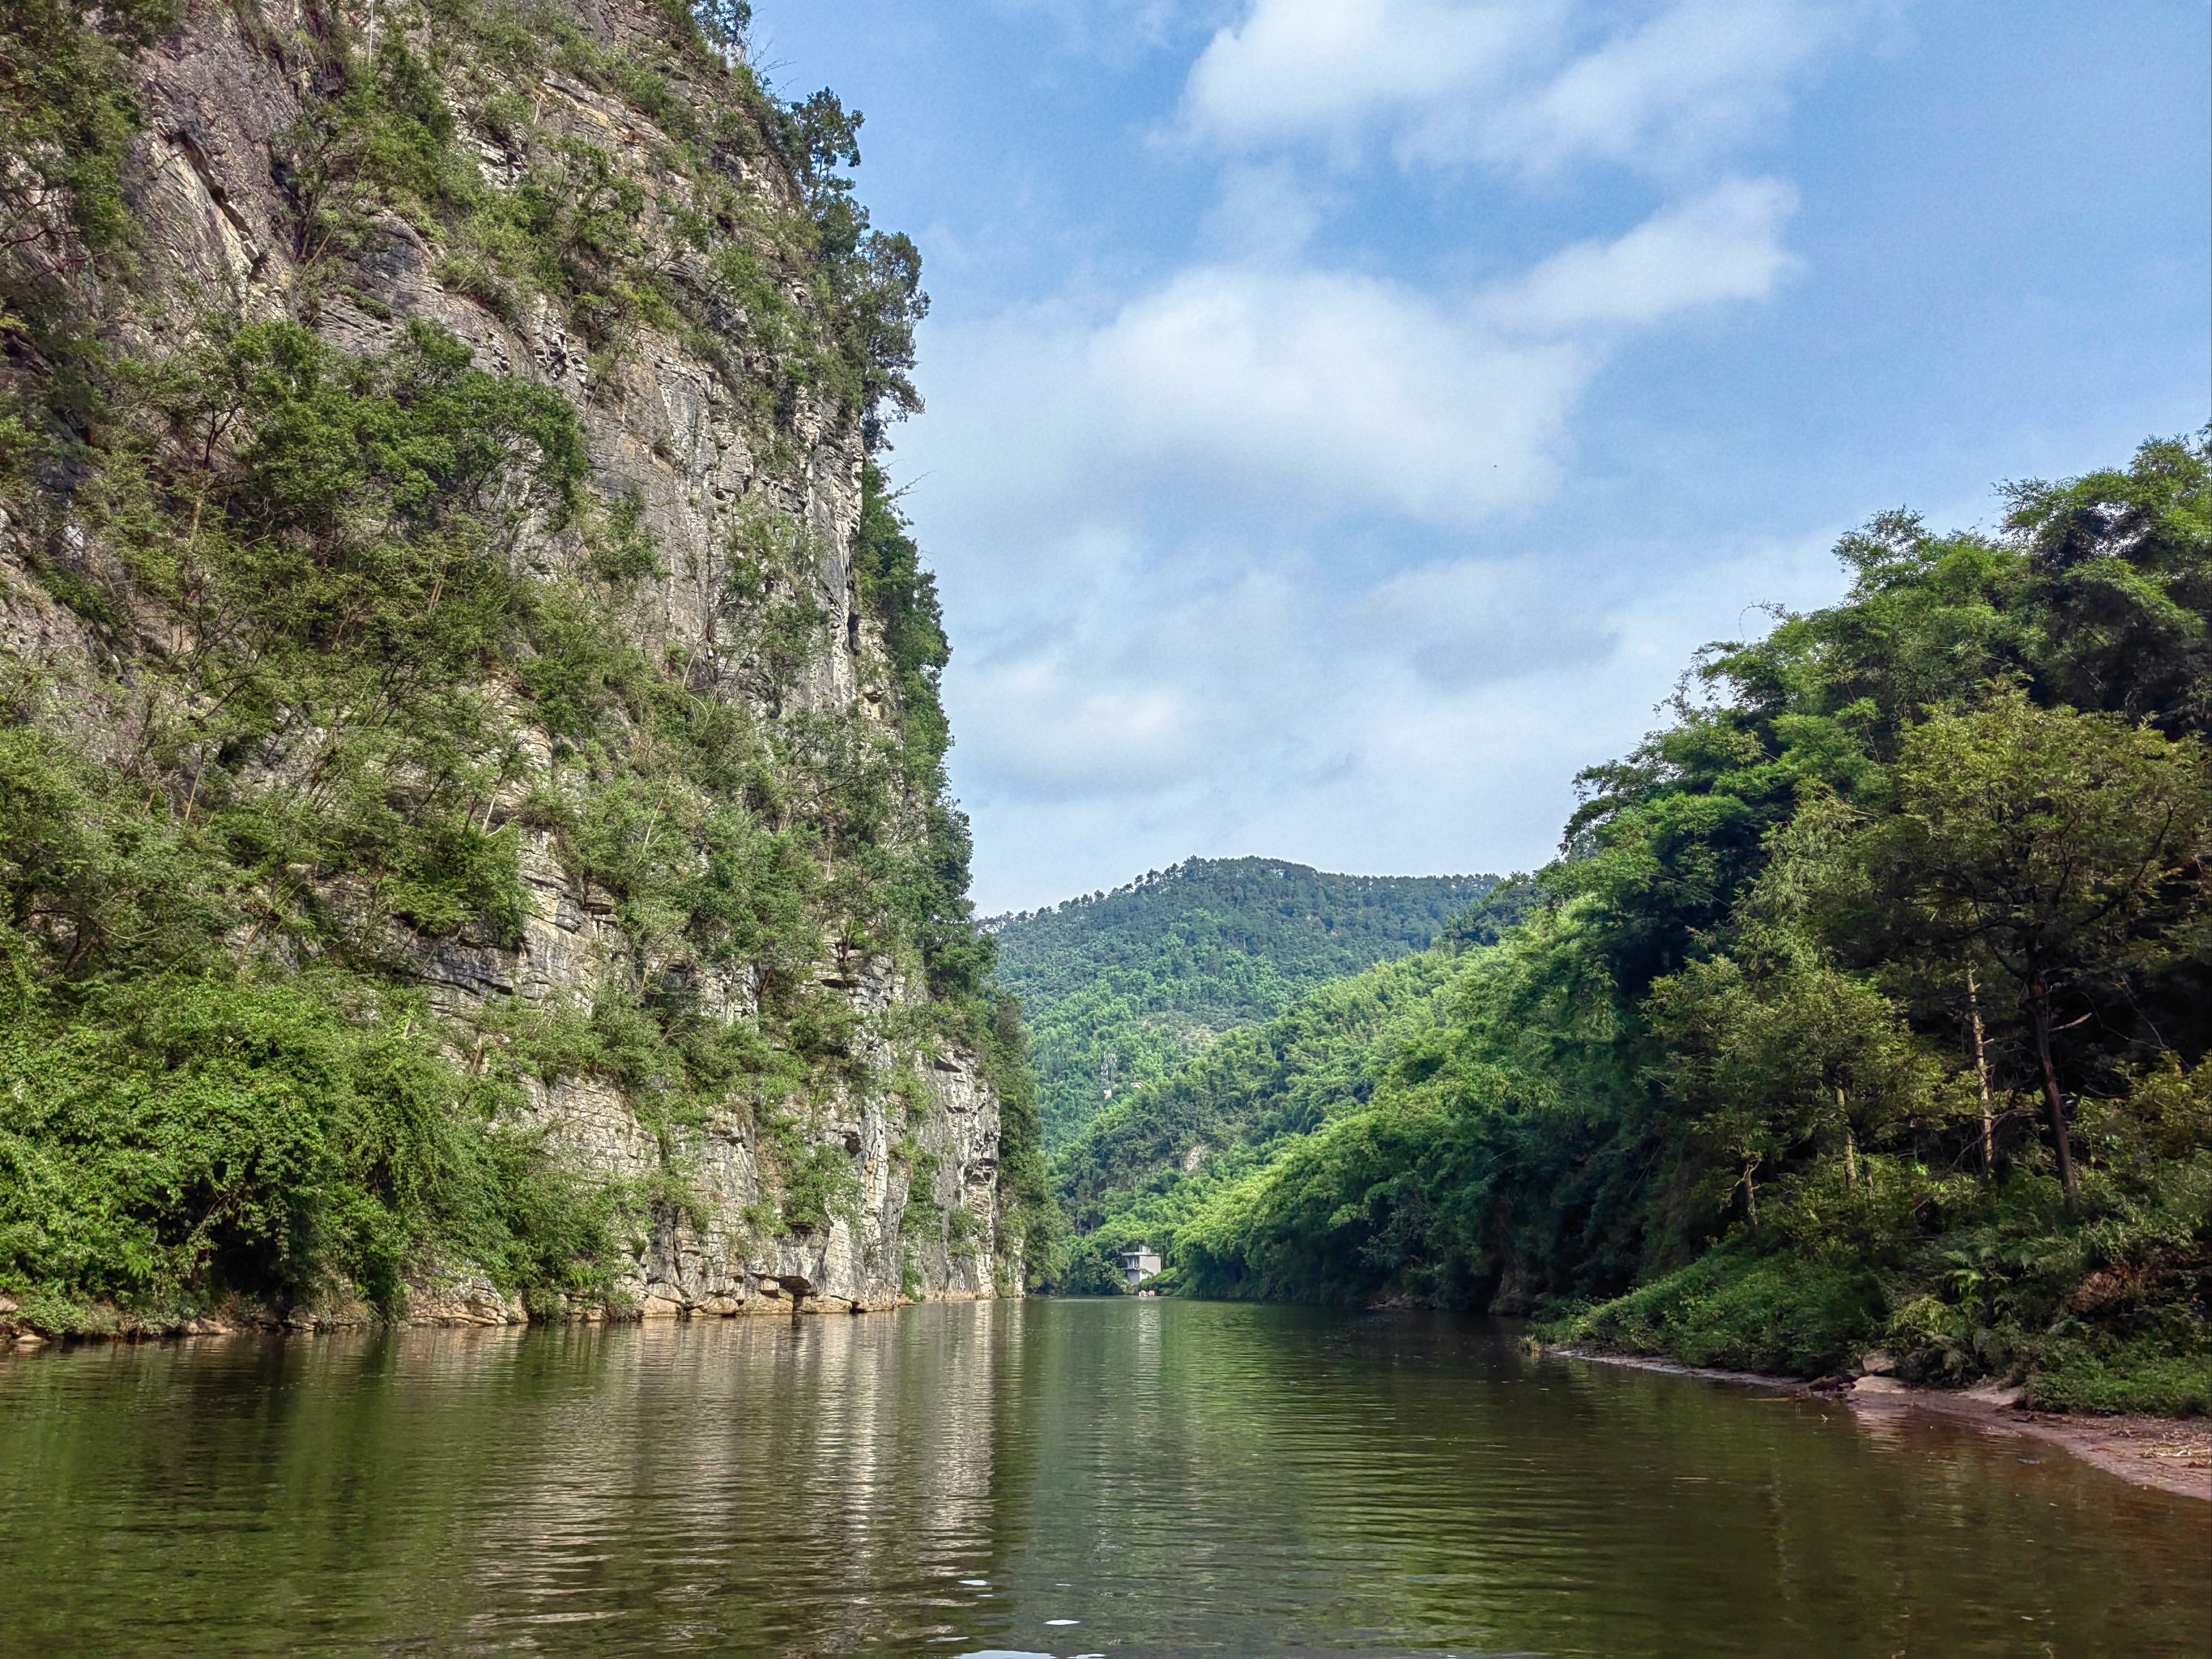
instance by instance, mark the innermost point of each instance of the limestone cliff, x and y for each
(440, 512)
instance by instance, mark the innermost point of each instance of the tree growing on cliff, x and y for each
(875, 275)
(724, 23)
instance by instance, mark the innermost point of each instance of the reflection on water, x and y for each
(1116, 1477)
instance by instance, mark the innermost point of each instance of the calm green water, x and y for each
(1174, 1478)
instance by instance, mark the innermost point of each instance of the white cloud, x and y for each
(1725, 245)
(1695, 76)
(1119, 31)
(1052, 730)
(1288, 393)
(1235, 389)
(1295, 69)
(1530, 87)
(1268, 211)
(1340, 391)
(1461, 623)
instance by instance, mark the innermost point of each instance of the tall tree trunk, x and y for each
(2039, 1008)
(1750, 1193)
(1851, 1142)
(1982, 1070)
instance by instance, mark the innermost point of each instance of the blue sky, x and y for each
(1347, 416)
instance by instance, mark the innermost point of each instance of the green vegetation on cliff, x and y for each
(1123, 987)
(366, 632)
(1867, 1006)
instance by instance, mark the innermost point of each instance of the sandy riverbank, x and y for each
(2169, 1454)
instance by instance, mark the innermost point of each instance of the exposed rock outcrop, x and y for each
(747, 482)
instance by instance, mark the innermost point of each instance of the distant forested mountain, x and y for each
(1123, 988)
(1151, 1160)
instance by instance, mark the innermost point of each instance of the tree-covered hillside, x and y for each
(1124, 987)
(1869, 1006)
(1151, 1160)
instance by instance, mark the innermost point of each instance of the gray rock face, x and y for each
(864, 1259)
(669, 427)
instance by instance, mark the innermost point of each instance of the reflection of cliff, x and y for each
(766, 1488)
(825, 1473)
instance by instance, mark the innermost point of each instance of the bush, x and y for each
(1092, 1269)
(1782, 1314)
(2167, 1375)
(177, 1139)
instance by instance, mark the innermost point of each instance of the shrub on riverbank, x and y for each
(2167, 1374)
(173, 1141)
(1781, 1314)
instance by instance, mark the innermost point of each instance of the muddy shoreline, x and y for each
(2167, 1454)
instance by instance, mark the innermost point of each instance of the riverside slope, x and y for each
(703, 438)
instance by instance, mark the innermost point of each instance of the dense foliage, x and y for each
(1866, 1007)
(1123, 988)
(365, 632)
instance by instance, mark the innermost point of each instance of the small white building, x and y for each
(1140, 1265)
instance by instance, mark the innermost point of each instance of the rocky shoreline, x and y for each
(2167, 1454)
(773, 1298)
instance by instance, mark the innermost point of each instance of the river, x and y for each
(1109, 1477)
